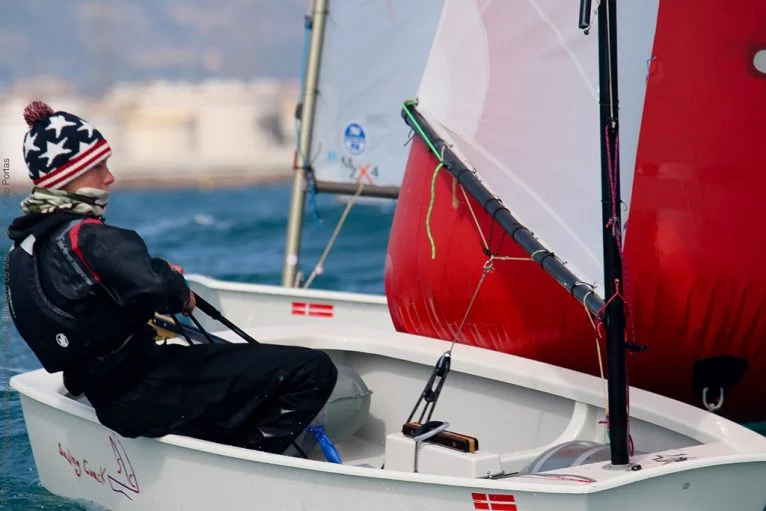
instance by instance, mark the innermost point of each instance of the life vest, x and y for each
(58, 339)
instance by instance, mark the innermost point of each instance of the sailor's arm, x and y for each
(120, 260)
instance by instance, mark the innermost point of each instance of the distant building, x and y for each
(174, 134)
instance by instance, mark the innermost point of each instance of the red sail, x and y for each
(694, 242)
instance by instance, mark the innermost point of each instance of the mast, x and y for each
(614, 316)
(297, 199)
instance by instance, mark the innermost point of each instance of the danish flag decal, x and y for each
(321, 310)
(494, 502)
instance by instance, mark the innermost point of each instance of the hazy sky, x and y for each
(92, 43)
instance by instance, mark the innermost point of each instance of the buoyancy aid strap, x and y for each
(73, 234)
(45, 227)
(28, 244)
(75, 222)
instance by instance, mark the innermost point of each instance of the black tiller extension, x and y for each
(216, 315)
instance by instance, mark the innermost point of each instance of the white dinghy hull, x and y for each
(516, 407)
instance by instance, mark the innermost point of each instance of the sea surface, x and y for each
(231, 234)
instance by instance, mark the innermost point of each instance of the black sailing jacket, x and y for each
(103, 276)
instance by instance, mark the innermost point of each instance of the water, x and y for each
(236, 235)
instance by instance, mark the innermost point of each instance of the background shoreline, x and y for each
(207, 181)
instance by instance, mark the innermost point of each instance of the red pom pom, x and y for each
(35, 112)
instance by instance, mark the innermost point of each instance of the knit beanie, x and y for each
(59, 146)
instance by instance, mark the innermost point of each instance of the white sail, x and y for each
(373, 59)
(514, 85)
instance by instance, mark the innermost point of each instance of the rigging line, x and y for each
(475, 220)
(598, 352)
(488, 267)
(612, 164)
(410, 136)
(310, 176)
(307, 167)
(492, 226)
(502, 237)
(411, 103)
(617, 230)
(610, 48)
(484, 240)
(319, 268)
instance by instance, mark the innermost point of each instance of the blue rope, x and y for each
(328, 448)
(313, 195)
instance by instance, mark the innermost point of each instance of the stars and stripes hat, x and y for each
(59, 146)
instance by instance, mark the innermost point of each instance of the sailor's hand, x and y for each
(191, 304)
(177, 268)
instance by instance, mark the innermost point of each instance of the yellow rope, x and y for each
(431, 205)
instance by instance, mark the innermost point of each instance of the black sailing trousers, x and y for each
(254, 396)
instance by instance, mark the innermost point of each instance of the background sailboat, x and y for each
(518, 103)
(363, 59)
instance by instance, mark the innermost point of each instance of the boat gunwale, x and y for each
(270, 290)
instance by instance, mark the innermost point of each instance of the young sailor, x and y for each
(81, 292)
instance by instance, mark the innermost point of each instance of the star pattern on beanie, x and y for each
(29, 143)
(86, 127)
(59, 146)
(54, 149)
(57, 123)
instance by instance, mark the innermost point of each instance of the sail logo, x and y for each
(354, 139)
(121, 480)
(359, 172)
(125, 480)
